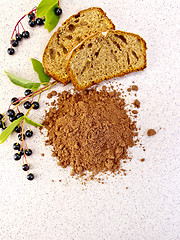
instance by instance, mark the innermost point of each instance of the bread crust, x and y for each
(72, 75)
(52, 74)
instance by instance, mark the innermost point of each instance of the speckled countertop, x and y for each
(142, 205)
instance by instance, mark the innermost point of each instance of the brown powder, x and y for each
(90, 131)
(137, 103)
(151, 132)
(134, 87)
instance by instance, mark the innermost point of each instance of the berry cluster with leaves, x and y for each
(19, 120)
(49, 10)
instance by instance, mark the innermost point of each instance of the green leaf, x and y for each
(51, 19)
(22, 82)
(38, 67)
(44, 6)
(5, 134)
(31, 122)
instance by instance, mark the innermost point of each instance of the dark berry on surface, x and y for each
(19, 115)
(17, 156)
(39, 21)
(16, 146)
(25, 167)
(29, 133)
(18, 37)
(28, 152)
(14, 101)
(30, 176)
(11, 113)
(1, 116)
(27, 92)
(32, 23)
(35, 105)
(31, 16)
(17, 129)
(21, 152)
(27, 105)
(11, 119)
(25, 34)
(10, 51)
(58, 11)
(43, 21)
(14, 43)
(20, 137)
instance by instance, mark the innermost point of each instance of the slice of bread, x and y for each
(70, 34)
(106, 55)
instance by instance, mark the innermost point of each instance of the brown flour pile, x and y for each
(90, 131)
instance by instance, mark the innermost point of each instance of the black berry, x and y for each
(30, 176)
(14, 43)
(43, 21)
(10, 51)
(10, 113)
(1, 116)
(58, 11)
(19, 115)
(16, 146)
(17, 156)
(14, 101)
(17, 129)
(28, 152)
(27, 105)
(18, 37)
(29, 133)
(25, 34)
(20, 137)
(35, 105)
(21, 152)
(27, 92)
(31, 16)
(11, 119)
(25, 167)
(39, 21)
(32, 23)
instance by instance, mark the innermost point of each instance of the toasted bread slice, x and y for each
(106, 55)
(71, 33)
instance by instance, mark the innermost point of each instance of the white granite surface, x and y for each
(149, 208)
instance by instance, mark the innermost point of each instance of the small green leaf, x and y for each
(38, 67)
(22, 82)
(5, 134)
(31, 122)
(51, 18)
(44, 6)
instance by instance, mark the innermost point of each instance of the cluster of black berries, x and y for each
(21, 136)
(25, 34)
(33, 21)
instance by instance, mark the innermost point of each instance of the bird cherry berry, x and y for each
(17, 129)
(25, 34)
(31, 16)
(32, 23)
(27, 105)
(30, 176)
(39, 21)
(58, 11)
(17, 156)
(16, 146)
(10, 51)
(27, 92)
(14, 101)
(1, 116)
(18, 37)
(28, 152)
(29, 133)
(11, 113)
(35, 105)
(25, 167)
(14, 43)
(11, 119)
(21, 137)
(19, 115)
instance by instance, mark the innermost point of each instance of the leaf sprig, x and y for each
(46, 9)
